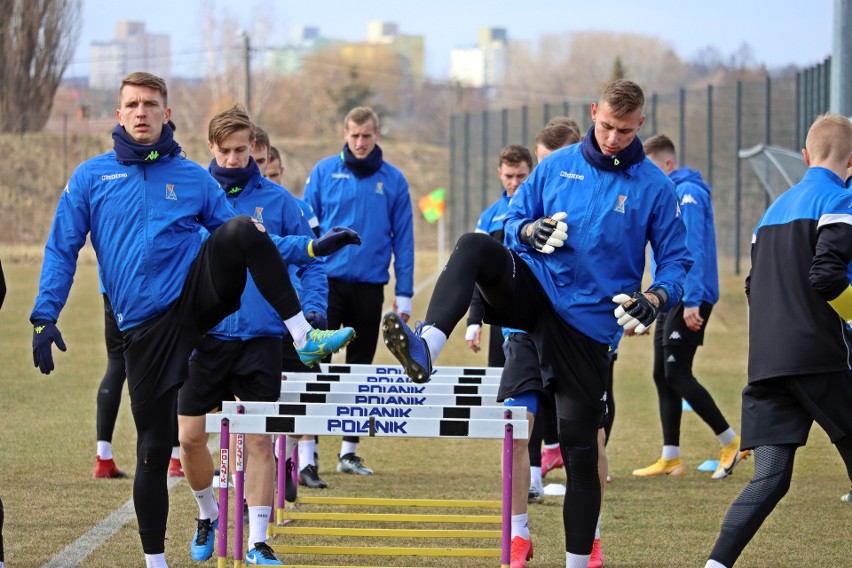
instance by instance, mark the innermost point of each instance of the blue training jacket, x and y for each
(696, 208)
(378, 207)
(281, 214)
(612, 216)
(491, 220)
(145, 222)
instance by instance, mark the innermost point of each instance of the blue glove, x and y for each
(45, 335)
(317, 319)
(333, 241)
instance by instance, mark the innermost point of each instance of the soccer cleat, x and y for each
(408, 347)
(672, 467)
(596, 560)
(551, 458)
(522, 550)
(729, 457)
(262, 555)
(350, 463)
(175, 469)
(310, 478)
(201, 548)
(106, 469)
(290, 489)
(847, 498)
(535, 494)
(321, 343)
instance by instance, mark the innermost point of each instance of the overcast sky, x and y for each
(780, 32)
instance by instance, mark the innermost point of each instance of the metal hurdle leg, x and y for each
(224, 442)
(508, 457)
(239, 494)
(282, 475)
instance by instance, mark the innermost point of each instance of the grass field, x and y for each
(48, 442)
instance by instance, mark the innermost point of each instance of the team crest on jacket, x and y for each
(258, 214)
(619, 204)
(379, 188)
(170, 192)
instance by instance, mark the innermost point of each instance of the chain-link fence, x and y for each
(708, 126)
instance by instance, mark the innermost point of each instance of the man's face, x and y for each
(234, 151)
(614, 134)
(274, 170)
(361, 138)
(512, 176)
(261, 157)
(142, 113)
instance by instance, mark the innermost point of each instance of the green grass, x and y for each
(48, 443)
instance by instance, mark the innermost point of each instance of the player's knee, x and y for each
(154, 456)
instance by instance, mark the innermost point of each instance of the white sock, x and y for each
(298, 327)
(306, 453)
(714, 564)
(671, 452)
(176, 452)
(289, 445)
(598, 529)
(207, 507)
(576, 560)
(535, 477)
(258, 522)
(435, 340)
(520, 526)
(551, 446)
(727, 436)
(348, 448)
(156, 561)
(104, 450)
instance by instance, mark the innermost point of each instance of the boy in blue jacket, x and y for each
(576, 233)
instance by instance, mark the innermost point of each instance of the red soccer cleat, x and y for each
(522, 550)
(596, 560)
(551, 458)
(106, 469)
(175, 469)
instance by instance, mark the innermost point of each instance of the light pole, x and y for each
(246, 67)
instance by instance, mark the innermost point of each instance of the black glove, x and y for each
(45, 335)
(546, 234)
(639, 310)
(317, 319)
(333, 241)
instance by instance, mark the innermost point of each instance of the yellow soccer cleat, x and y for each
(672, 467)
(729, 457)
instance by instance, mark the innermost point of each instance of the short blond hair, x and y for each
(623, 97)
(227, 122)
(360, 115)
(143, 79)
(829, 138)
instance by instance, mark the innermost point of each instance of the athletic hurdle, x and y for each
(319, 419)
(398, 370)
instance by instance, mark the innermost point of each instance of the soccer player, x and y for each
(680, 330)
(800, 301)
(576, 232)
(143, 204)
(359, 189)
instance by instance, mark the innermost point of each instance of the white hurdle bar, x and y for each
(377, 411)
(240, 423)
(398, 370)
(409, 399)
(390, 379)
(384, 388)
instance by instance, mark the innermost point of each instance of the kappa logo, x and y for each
(619, 204)
(579, 177)
(258, 214)
(170, 192)
(379, 188)
(113, 176)
(687, 199)
(339, 176)
(675, 335)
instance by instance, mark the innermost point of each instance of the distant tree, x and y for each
(37, 41)
(617, 70)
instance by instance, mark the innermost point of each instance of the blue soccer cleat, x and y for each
(408, 347)
(321, 343)
(262, 555)
(201, 548)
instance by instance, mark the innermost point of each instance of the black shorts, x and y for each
(781, 410)
(112, 335)
(220, 370)
(572, 363)
(156, 352)
(672, 331)
(522, 371)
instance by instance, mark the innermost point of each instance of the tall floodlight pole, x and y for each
(841, 59)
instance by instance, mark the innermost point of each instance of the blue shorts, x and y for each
(527, 398)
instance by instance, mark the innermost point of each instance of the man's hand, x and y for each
(692, 318)
(547, 234)
(638, 312)
(472, 335)
(333, 241)
(402, 306)
(318, 320)
(45, 335)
